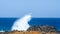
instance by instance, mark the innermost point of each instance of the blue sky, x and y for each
(38, 8)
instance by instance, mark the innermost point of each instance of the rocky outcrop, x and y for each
(42, 28)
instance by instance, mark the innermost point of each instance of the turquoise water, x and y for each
(6, 23)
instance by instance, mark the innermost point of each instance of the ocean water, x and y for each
(6, 23)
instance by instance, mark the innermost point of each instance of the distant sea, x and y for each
(6, 23)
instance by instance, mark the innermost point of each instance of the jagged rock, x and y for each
(42, 28)
(32, 28)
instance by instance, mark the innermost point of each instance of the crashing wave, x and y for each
(22, 24)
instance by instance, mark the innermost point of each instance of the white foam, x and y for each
(22, 24)
(2, 31)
